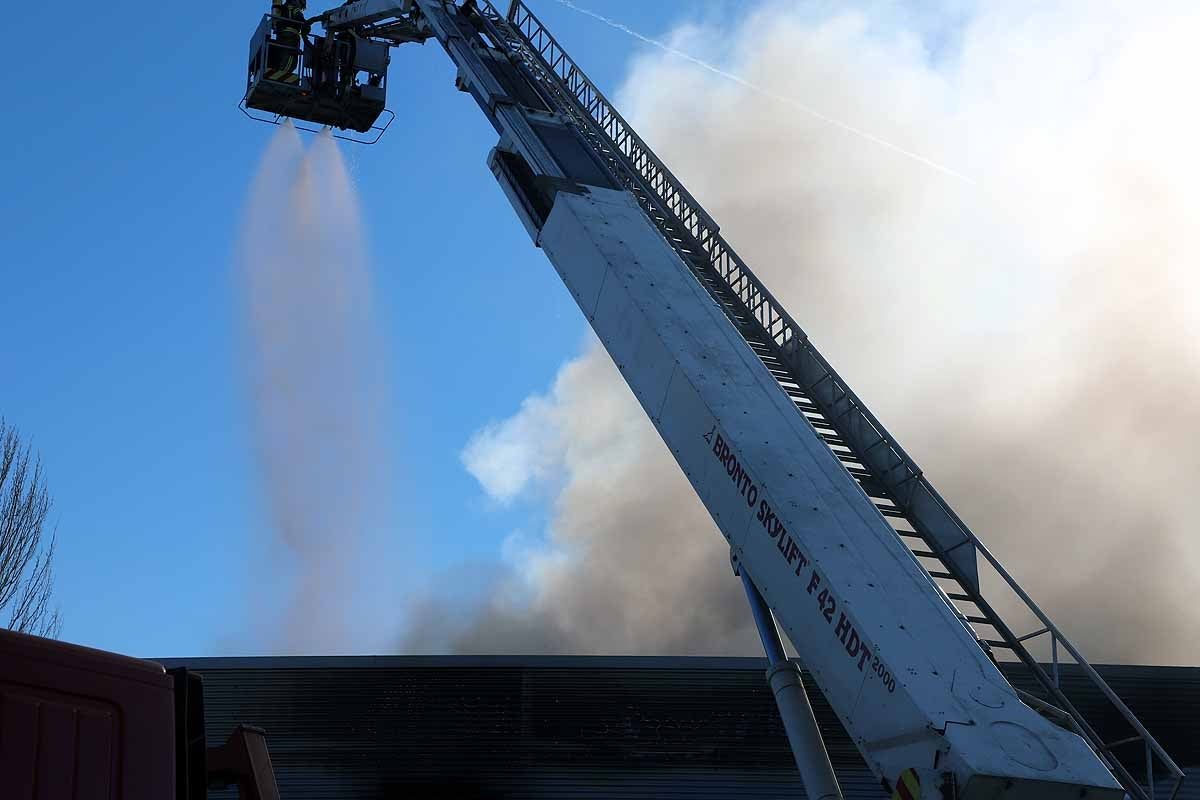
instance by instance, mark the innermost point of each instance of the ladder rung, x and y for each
(872, 488)
(924, 554)
(980, 621)
(938, 574)
(957, 596)
(1121, 742)
(994, 643)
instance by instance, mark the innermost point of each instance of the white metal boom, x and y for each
(873, 577)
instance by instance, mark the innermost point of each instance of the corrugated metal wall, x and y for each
(566, 727)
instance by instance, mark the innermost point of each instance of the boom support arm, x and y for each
(813, 496)
(904, 675)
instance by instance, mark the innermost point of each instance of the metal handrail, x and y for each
(260, 57)
(365, 139)
(658, 182)
(675, 211)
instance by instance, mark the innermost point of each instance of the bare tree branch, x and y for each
(26, 559)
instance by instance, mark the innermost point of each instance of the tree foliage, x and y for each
(26, 548)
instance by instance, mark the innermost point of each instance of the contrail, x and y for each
(782, 98)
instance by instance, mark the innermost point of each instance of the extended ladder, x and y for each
(938, 540)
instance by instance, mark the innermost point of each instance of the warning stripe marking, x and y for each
(908, 787)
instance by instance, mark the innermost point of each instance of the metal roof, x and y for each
(554, 727)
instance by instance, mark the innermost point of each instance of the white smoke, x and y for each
(312, 352)
(634, 565)
(1032, 339)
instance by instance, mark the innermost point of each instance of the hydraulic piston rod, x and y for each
(812, 759)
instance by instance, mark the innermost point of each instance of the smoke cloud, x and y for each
(311, 347)
(1031, 337)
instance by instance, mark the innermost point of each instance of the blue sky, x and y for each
(126, 165)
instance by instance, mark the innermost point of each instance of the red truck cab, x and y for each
(83, 724)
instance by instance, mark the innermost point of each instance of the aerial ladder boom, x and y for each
(836, 532)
